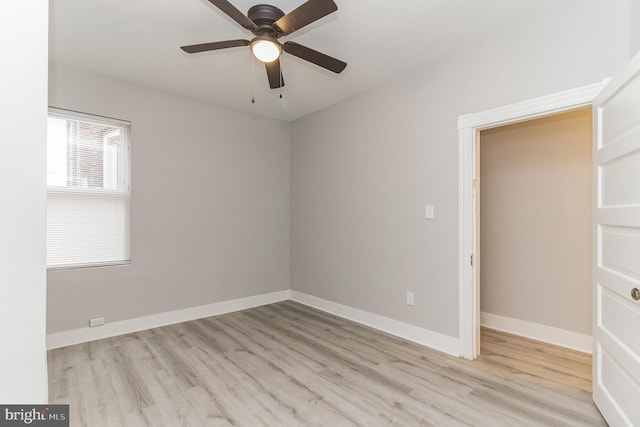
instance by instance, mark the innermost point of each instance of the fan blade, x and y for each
(195, 48)
(304, 15)
(274, 73)
(318, 58)
(233, 13)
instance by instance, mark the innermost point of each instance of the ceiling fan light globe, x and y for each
(266, 50)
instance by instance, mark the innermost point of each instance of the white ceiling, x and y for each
(138, 41)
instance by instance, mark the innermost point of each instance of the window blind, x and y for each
(88, 183)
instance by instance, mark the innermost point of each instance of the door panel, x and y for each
(620, 249)
(619, 114)
(617, 311)
(615, 174)
(617, 381)
(616, 331)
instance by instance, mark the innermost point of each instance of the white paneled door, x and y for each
(616, 331)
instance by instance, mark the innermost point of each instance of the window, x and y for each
(88, 190)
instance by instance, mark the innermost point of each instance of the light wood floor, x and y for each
(289, 365)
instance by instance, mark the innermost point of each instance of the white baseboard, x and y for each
(537, 331)
(425, 337)
(435, 340)
(77, 336)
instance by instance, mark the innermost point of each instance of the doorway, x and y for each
(534, 229)
(469, 128)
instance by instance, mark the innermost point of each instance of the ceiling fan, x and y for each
(268, 24)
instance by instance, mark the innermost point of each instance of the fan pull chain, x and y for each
(253, 79)
(281, 85)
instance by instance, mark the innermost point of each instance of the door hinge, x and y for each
(471, 260)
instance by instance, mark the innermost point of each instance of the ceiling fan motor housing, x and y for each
(264, 15)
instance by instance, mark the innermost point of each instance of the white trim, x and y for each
(538, 332)
(86, 117)
(425, 337)
(76, 336)
(469, 126)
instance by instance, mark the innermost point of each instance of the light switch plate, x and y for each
(428, 211)
(410, 298)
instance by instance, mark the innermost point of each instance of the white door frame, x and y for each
(469, 127)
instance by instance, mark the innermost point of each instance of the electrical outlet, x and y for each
(410, 298)
(96, 321)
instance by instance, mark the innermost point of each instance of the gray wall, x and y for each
(363, 170)
(209, 206)
(23, 103)
(635, 27)
(535, 221)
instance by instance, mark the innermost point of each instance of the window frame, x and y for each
(125, 193)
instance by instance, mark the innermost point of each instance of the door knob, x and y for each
(635, 294)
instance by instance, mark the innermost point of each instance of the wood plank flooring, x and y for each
(286, 364)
